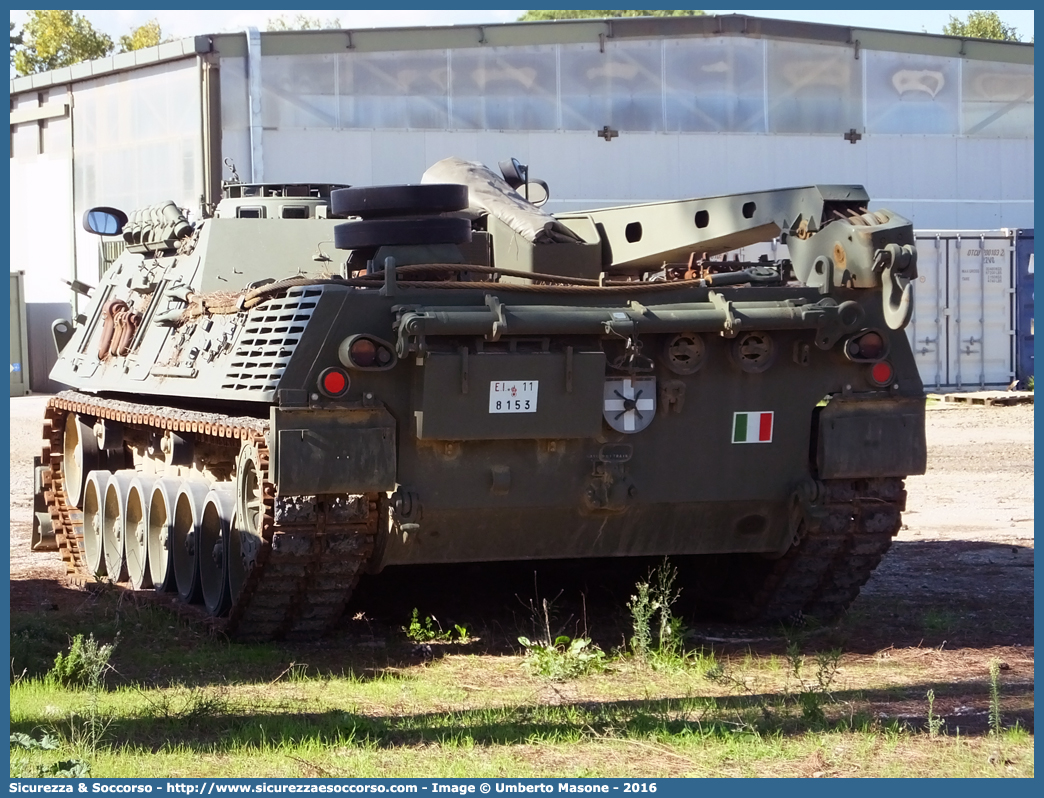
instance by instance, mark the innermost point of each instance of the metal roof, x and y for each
(534, 33)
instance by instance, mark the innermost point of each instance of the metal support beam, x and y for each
(253, 70)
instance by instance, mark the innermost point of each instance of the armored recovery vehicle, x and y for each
(322, 381)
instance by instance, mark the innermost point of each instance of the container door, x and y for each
(1024, 302)
(927, 329)
(19, 341)
(982, 311)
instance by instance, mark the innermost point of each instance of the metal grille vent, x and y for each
(270, 335)
(108, 252)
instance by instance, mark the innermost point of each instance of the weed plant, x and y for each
(812, 693)
(558, 656)
(657, 633)
(83, 666)
(995, 713)
(564, 658)
(25, 766)
(425, 631)
(935, 723)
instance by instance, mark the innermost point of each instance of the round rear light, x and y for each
(363, 352)
(871, 346)
(366, 352)
(868, 346)
(881, 373)
(334, 383)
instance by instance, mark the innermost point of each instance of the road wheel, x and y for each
(402, 232)
(80, 456)
(376, 202)
(218, 512)
(185, 545)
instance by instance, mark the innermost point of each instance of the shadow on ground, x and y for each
(216, 723)
(951, 594)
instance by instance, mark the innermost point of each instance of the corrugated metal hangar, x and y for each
(609, 112)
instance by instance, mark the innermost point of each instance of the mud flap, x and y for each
(333, 451)
(871, 438)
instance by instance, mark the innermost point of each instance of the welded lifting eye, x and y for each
(850, 314)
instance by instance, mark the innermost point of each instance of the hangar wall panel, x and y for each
(693, 116)
(912, 93)
(137, 141)
(42, 240)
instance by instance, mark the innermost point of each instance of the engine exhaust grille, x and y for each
(270, 335)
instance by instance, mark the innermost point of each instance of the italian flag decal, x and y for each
(752, 427)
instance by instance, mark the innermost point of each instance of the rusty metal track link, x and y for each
(304, 572)
(852, 528)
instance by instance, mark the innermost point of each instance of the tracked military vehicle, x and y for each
(321, 381)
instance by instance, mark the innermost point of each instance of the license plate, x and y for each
(513, 396)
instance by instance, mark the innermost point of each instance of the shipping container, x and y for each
(1024, 305)
(963, 324)
(19, 337)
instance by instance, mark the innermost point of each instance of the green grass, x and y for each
(179, 703)
(346, 726)
(430, 719)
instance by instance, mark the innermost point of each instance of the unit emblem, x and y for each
(630, 403)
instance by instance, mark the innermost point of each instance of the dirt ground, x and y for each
(955, 588)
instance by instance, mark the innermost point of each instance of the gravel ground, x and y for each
(979, 484)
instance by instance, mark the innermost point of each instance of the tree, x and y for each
(981, 25)
(55, 39)
(16, 41)
(537, 16)
(147, 35)
(302, 22)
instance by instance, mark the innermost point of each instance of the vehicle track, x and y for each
(311, 550)
(843, 535)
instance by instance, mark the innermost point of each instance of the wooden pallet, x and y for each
(986, 398)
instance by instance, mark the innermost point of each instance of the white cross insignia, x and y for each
(630, 403)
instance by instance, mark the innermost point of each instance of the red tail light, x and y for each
(881, 373)
(334, 383)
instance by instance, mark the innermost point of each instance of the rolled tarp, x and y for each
(489, 193)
